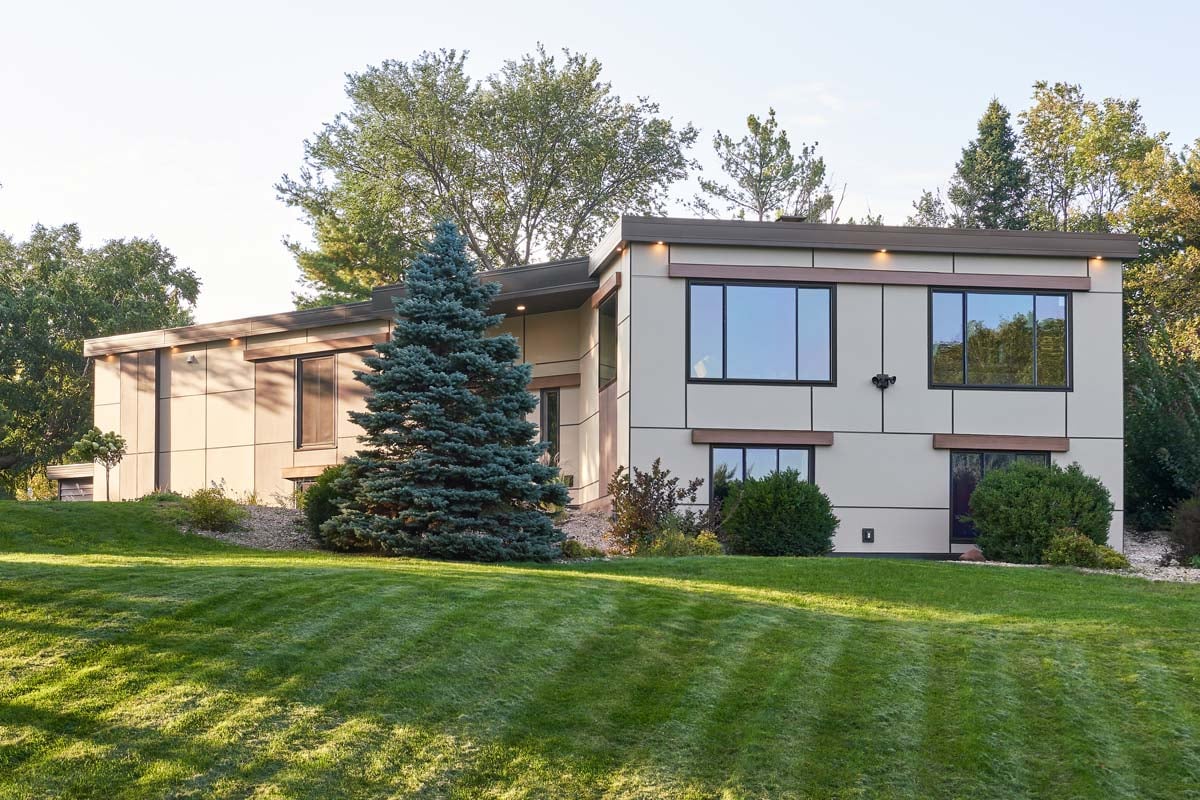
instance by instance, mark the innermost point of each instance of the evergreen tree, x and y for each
(990, 187)
(450, 467)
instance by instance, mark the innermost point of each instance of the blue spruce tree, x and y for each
(449, 466)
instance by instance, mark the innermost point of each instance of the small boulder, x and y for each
(974, 554)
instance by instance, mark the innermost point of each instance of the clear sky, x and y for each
(175, 120)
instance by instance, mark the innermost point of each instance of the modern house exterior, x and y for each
(892, 366)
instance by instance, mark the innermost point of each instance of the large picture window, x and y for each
(967, 468)
(999, 339)
(316, 414)
(760, 333)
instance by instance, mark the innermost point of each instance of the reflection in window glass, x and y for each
(813, 334)
(1051, 340)
(706, 331)
(1000, 339)
(760, 332)
(1011, 339)
(760, 461)
(947, 337)
(730, 464)
(608, 340)
(796, 459)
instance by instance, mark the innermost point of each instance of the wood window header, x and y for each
(555, 382)
(747, 437)
(607, 288)
(973, 441)
(886, 277)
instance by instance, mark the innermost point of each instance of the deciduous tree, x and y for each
(54, 293)
(531, 163)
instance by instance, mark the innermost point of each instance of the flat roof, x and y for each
(568, 283)
(893, 238)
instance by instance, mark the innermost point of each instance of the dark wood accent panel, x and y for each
(310, 471)
(608, 435)
(735, 436)
(309, 348)
(888, 277)
(608, 287)
(973, 441)
(554, 382)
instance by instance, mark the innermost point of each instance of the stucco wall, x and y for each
(882, 471)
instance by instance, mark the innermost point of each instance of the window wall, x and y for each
(768, 333)
(995, 339)
(732, 463)
(550, 429)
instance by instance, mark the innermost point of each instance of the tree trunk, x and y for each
(107, 470)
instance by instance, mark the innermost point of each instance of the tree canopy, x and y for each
(767, 178)
(449, 467)
(532, 162)
(54, 293)
(990, 187)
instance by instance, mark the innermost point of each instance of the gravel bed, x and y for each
(1146, 553)
(587, 528)
(269, 528)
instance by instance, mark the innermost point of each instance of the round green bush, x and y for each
(1070, 548)
(1019, 509)
(778, 515)
(320, 500)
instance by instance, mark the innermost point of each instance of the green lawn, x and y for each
(139, 662)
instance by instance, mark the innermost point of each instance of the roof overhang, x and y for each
(892, 238)
(539, 288)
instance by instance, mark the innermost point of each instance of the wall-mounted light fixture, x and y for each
(883, 380)
(191, 359)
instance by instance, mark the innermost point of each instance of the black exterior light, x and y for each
(883, 380)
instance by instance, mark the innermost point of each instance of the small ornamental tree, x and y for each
(449, 467)
(107, 448)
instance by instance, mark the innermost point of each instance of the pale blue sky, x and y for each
(175, 120)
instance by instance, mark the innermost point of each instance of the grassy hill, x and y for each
(136, 661)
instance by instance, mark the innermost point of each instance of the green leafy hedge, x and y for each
(1019, 509)
(778, 515)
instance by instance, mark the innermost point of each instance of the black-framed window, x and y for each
(999, 339)
(967, 468)
(760, 332)
(731, 463)
(316, 402)
(608, 340)
(550, 427)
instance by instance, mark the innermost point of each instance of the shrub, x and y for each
(1194, 562)
(643, 502)
(778, 515)
(673, 543)
(161, 496)
(1162, 432)
(1070, 548)
(211, 510)
(574, 549)
(320, 500)
(1018, 510)
(1184, 536)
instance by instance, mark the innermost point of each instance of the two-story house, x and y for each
(892, 366)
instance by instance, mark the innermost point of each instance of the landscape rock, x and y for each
(974, 554)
